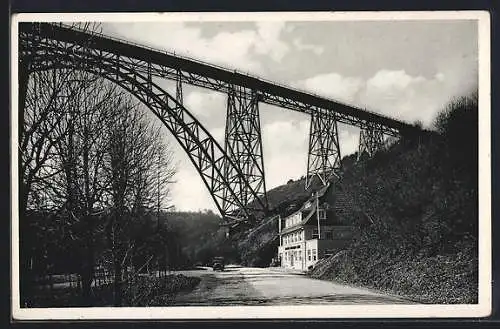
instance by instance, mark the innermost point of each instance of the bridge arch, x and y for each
(207, 156)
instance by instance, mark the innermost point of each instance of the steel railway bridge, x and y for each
(234, 172)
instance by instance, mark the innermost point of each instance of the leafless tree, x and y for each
(89, 152)
(80, 186)
(44, 100)
(133, 147)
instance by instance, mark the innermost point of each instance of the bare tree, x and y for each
(79, 187)
(45, 107)
(44, 98)
(136, 155)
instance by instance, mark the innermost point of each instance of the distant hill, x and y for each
(200, 236)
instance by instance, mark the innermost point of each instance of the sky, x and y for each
(403, 69)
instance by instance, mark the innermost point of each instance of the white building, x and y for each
(311, 233)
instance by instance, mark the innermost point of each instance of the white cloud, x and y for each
(268, 40)
(234, 50)
(204, 103)
(332, 85)
(440, 76)
(385, 80)
(394, 93)
(348, 140)
(218, 135)
(405, 97)
(189, 192)
(318, 50)
(285, 150)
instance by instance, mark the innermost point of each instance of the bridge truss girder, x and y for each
(323, 160)
(371, 139)
(43, 53)
(168, 66)
(243, 144)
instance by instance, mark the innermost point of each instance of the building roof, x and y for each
(308, 209)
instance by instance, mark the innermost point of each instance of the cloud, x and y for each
(394, 93)
(285, 150)
(205, 104)
(189, 192)
(409, 98)
(218, 135)
(332, 85)
(348, 140)
(234, 50)
(268, 40)
(318, 50)
(388, 81)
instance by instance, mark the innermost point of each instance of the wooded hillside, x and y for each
(416, 213)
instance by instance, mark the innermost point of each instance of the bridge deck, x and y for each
(271, 93)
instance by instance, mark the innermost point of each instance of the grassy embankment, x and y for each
(144, 291)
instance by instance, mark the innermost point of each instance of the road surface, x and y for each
(264, 286)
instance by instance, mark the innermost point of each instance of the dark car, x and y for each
(218, 264)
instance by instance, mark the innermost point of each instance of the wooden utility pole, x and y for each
(317, 216)
(279, 227)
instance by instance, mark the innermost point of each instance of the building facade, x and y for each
(311, 233)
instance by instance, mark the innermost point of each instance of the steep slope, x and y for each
(414, 208)
(416, 212)
(257, 245)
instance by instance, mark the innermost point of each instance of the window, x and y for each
(322, 214)
(300, 254)
(315, 234)
(314, 254)
(309, 254)
(329, 235)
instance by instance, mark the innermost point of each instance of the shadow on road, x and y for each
(340, 299)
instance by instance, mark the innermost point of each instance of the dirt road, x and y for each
(261, 286)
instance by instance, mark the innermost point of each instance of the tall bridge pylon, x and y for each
(371, 140)
(135, 76)
(323, 160)
(243, 145)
